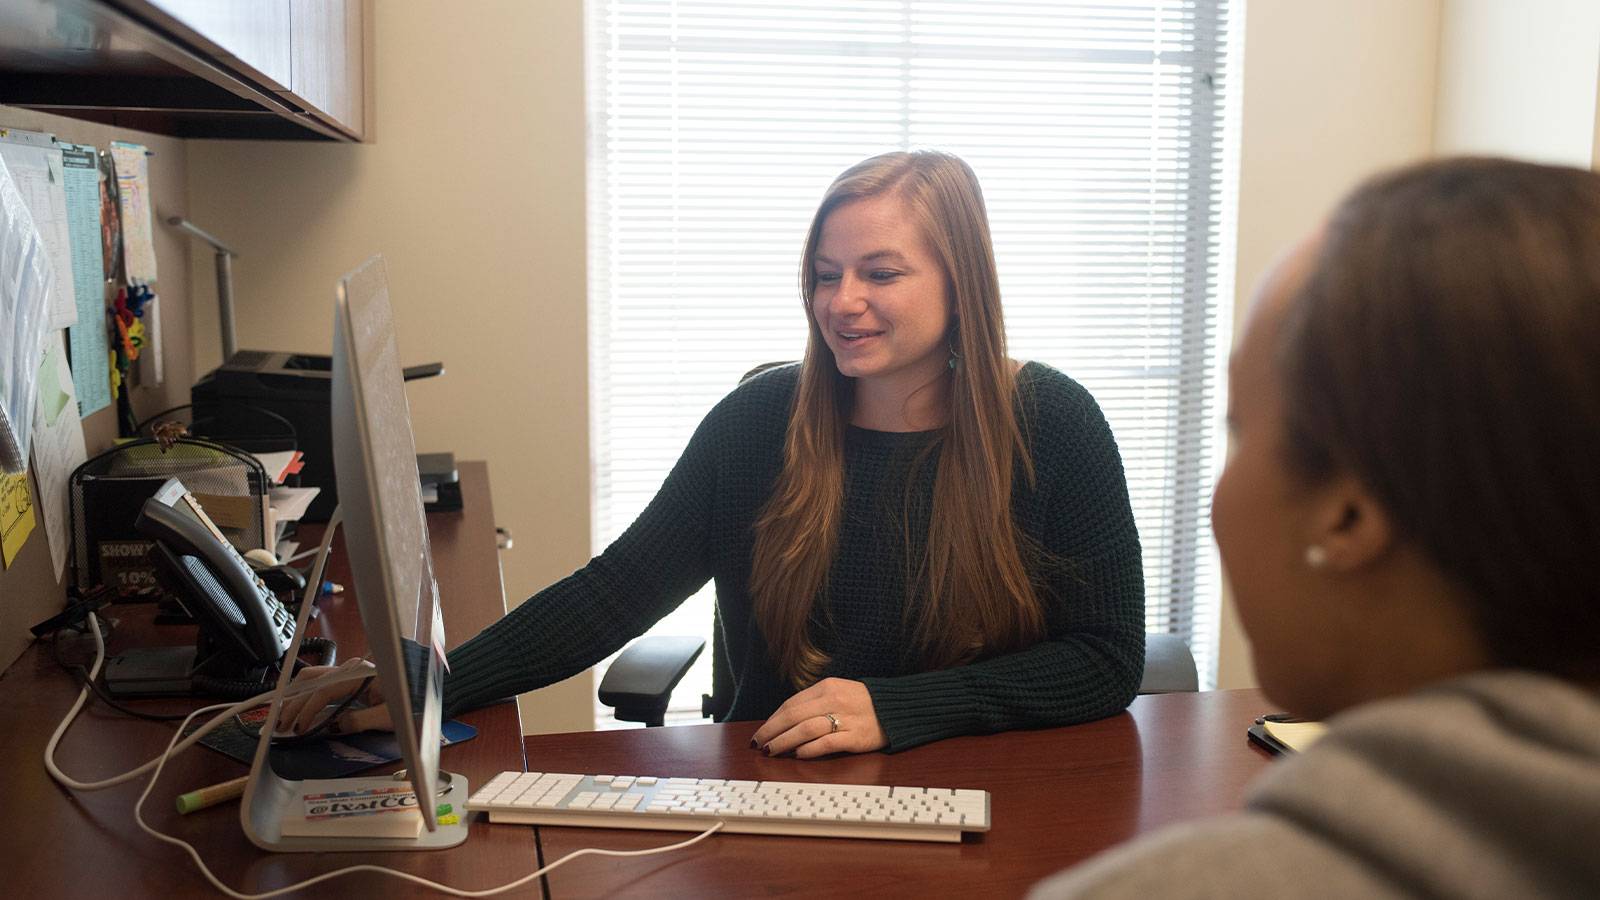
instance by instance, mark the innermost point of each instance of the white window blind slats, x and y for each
(1095, 129)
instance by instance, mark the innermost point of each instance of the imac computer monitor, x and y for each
(386, 535)
(386, 540)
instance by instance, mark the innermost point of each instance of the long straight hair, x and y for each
(977, 597)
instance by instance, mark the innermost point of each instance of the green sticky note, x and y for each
(51, 395)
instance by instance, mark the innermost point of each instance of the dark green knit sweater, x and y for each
(699, 527)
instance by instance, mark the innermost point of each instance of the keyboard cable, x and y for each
(225, 712)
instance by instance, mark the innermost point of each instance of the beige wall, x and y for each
(474, 192)
(1332, 93)
(1518, 79)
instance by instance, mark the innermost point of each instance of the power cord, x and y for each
(236, 689)
(82, 674)
(188, 741)
(224, 712)
(138, 816)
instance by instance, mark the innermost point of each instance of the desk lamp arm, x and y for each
(225, 255)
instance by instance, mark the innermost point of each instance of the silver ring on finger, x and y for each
(833, 722)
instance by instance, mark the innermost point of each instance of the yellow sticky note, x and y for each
(16, 515)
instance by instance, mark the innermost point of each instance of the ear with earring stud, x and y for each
(1316, 556)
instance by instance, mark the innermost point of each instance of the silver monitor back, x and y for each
(387, 542)
(386, 535)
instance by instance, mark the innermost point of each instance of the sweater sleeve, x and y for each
(1091, 661)
(660, 560)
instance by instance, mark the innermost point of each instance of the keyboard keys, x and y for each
(648, 801)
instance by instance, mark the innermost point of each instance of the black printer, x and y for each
(266, 401)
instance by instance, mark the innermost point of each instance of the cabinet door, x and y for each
(326, 72)
(254, 33)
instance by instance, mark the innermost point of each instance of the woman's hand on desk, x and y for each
(834, 715)
(303, 713)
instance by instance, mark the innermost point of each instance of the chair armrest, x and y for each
(1168, 665)
(640, 682)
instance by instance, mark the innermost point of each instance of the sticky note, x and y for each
(52, 398)
(16, 516)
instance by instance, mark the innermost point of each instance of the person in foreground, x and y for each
(912, 536)
(1409, 519)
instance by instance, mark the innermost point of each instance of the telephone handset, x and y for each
(215, 584)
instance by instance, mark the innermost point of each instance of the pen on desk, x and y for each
(211, 796)
(329, 587)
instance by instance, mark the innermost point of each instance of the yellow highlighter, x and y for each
(211, 796)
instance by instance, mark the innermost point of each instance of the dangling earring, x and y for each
(1316, 556)
(954, 356)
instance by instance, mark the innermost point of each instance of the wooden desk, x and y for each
(63, 844)
(1058, 796)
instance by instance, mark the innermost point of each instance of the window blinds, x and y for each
(1096, 131)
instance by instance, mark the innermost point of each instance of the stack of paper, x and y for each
(287, 504)
(281, 465)
(27, 292)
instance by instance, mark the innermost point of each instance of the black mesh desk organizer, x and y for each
(107, 492)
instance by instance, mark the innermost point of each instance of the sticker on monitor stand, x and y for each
(340, 804)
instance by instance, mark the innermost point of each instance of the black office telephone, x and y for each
(211, 579)
(244, 629)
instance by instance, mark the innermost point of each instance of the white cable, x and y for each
(138, 815)
(299, 556)
(230, 710)
(288, 690)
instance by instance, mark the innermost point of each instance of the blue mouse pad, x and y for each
(332, 757)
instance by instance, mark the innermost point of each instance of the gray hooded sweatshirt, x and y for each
(1483, 786)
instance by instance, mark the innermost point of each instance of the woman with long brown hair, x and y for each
(1021, 598)
(1409, 517)
(912, 536)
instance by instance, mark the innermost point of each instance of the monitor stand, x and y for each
(269, 797)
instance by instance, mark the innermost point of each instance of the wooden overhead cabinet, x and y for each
(289, 69)
(325, 71)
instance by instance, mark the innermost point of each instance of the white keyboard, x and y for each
(754, 807)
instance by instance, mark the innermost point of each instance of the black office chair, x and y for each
(640, 682)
